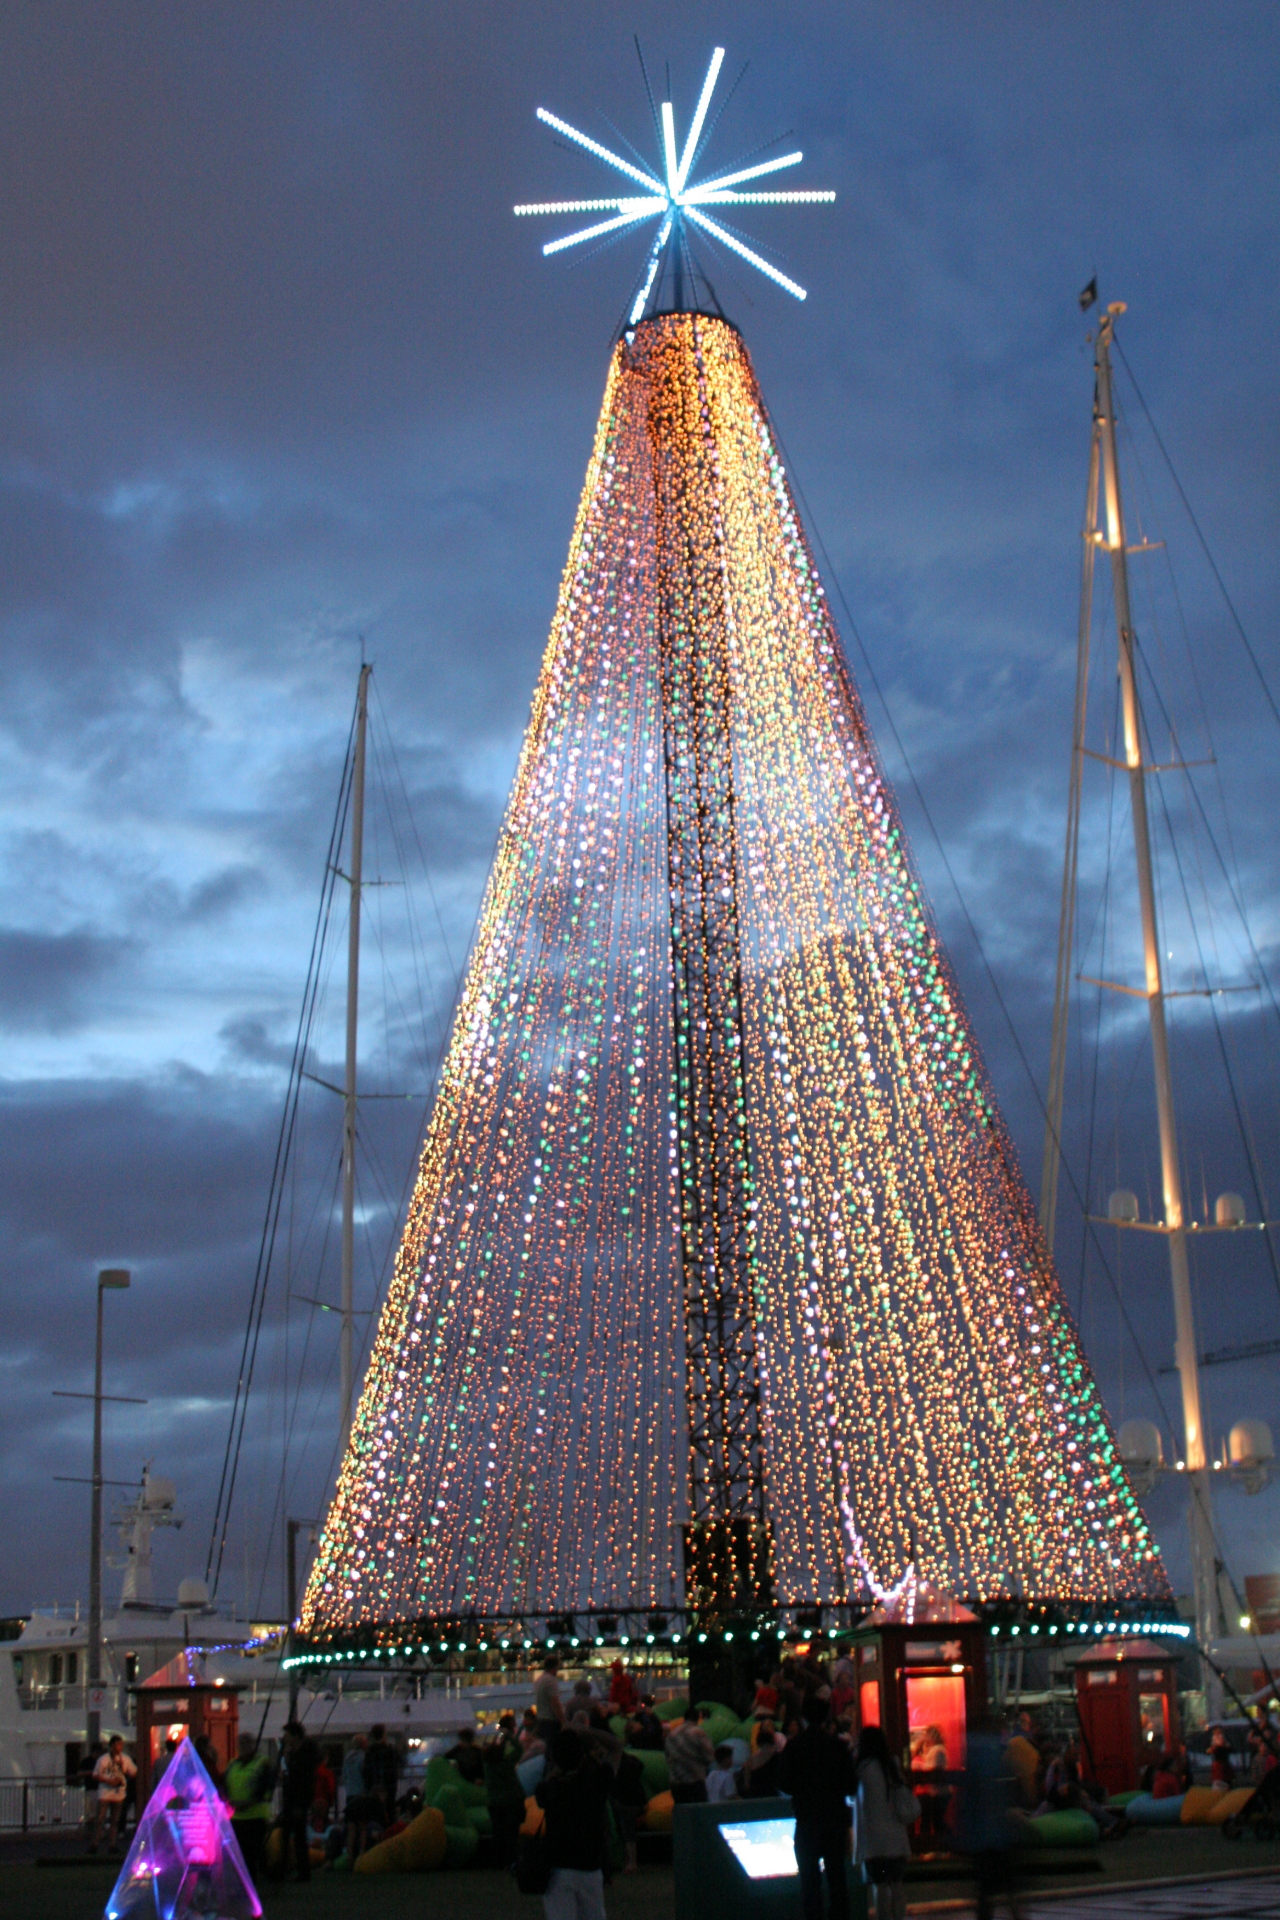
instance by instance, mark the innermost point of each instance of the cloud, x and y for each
(48, 980)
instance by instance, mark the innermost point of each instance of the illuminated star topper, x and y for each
(670, 196)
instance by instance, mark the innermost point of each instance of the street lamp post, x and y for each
(110, 1277)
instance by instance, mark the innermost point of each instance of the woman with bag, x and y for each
(887, 1810)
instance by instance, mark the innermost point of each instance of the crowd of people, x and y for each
(581, 1756)
(802, 1744)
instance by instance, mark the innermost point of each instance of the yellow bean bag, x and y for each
(418, 1849)
(1225, 1804)
(657, 1815)
(1197, 1805)
(533, 1817)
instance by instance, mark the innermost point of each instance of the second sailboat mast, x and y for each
(355, 878)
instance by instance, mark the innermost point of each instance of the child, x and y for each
(722, 1782)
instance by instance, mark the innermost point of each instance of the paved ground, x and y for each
(1111, 1889)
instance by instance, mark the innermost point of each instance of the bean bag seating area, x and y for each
(668, 1710)
(1072, 1828)
(1143, 1811)
(418, 1849)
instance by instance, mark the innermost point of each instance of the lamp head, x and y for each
(113, 1277)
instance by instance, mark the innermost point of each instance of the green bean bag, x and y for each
(451, 1804)
(654, 1765)
(1121, 1800)
(720, 1724)
(460, 1846)
(443, 1773)
(1073, 1828)
(671, 1709)
(481, 1819)
(618, 1725)
(439, 1773)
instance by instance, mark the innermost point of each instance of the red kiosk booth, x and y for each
(921, 1674)
(182, 1702)
(1127, 1697)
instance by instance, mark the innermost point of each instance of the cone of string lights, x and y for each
(721, 1296)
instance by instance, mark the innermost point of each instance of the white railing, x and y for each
(34, 1802)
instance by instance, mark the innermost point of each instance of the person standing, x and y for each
(547, 1703)
(248, 1788)
(722, 1781)
(355, 1800)
(381, 1772)
(574, 1796)
(690, 1757)
(298, 1766)
(986, 1828)
(112, 1772)
(501, 1756)
(816, 1769)
(887, 1809)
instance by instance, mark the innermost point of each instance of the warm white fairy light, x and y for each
(673, 198)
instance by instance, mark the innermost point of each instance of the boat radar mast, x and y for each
(674, 199)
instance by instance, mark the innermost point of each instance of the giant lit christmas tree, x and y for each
(720, 1292)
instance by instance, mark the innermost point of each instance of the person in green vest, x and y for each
(247, 1785)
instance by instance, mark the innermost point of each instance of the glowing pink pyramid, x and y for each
(184, 1861)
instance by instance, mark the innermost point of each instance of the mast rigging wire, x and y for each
(275, 1191)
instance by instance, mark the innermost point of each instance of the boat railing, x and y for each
(64, 1697)
(38, 1801)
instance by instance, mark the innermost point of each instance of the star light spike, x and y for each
(699, 116)
(601, 153)
(619, 203)
(669, 148)
(728, 239)
(747, 173)
(799, 196)
(605, 226)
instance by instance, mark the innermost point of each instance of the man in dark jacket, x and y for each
(817, 1770)
(381, 1772)
(574, 1794)
(298, 1763)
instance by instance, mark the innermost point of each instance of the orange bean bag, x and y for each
(1197, 1805)
(1226, 1804)
(657, 1816)
(419, 1848)
(533, 1817)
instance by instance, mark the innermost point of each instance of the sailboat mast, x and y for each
(347, 1347)
(1203, 1547)
(1052, 1162)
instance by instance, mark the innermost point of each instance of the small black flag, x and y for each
(1088, 295)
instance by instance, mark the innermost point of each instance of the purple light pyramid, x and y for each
(184, 1861)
